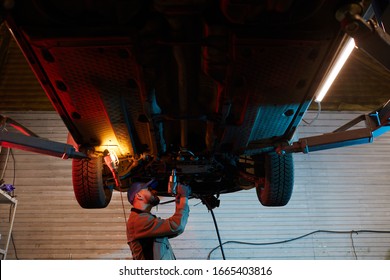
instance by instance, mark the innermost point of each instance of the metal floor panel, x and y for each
(92, 82)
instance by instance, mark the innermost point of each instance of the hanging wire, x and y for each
(216, 227)
(353, 243)
(309, 123)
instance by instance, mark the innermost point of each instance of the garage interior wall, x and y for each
(341, 202)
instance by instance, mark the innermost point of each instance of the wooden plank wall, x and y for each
(343, 190)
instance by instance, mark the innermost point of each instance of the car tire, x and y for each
(88, 185)
(278, 173)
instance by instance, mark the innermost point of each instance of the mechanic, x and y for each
(148, 235)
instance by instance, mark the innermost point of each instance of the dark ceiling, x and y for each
(363, 84)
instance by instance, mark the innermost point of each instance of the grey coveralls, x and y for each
(147, 235)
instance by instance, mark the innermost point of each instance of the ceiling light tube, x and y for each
(335, 69)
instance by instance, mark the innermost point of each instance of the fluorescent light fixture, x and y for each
(338, 64)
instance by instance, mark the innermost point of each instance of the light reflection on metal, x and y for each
(112, 161)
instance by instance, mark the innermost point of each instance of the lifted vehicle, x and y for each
(213, 90)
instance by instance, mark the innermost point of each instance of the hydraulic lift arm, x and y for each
(376, 123)
(29, 141)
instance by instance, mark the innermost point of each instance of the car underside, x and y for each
(207, 89)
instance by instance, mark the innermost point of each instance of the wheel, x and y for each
(278, 173)
(88, 185)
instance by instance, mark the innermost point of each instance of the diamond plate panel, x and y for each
(93, 83)
(273, 92)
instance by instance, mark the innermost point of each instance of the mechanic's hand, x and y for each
(183, 190)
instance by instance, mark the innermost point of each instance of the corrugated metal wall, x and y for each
(346, 191)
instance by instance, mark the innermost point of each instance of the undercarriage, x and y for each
(213, 90)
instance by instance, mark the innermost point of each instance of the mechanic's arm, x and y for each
(149, 226)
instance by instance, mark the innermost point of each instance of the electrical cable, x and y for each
(214, 220)
(124, 214)
(124, 210)
(167, 202)
(300, 237)
(353, 245)
(216, 227)
(219, 237)
(309, 123)
(174, 200)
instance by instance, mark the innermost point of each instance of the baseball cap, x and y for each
(137, 186)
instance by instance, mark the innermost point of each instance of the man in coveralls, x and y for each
(148, 235)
